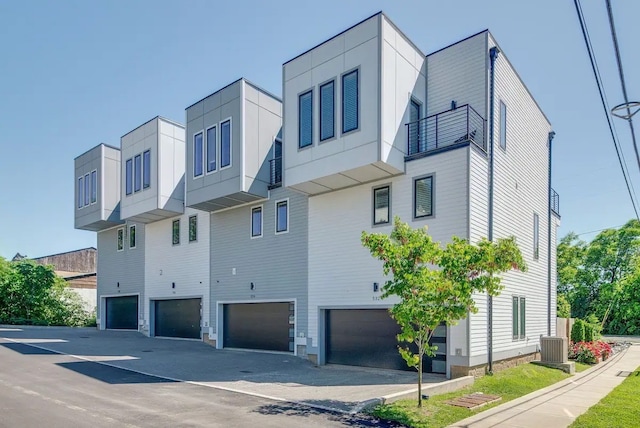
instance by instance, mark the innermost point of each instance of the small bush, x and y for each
(589, 352)
(588, 332)
(577, 331)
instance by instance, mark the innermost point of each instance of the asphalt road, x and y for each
(39, 388)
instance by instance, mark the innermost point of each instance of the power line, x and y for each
(602, 98)
(616, 48)
(599, 230)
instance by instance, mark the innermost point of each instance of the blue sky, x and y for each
(74, 74)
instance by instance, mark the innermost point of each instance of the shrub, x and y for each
(594, 322)
(588, 332)
(577, 331)
(589, 352)
(563, 307)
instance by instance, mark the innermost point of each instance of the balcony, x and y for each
(275, 172)
(555, 202)
(448, 129)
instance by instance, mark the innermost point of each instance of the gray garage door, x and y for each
(367, 337)
(177, 318)
(267, 326)
(122, 312)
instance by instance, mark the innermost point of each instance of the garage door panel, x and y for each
(367, 337)
(121, 313)
(262, 326)
(177, 318)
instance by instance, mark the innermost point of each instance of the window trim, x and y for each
(135, 237)
(135, 173)
(277, 204)
(342, 76)
(146, 166)
(206, 150)
(80, 189)
(87, 189)
(189, 228)
(536, 236)
(222, 122)
(254, 208)
(433, 197)
(333, 111)
(128, 177)
(193, 146)
(300, 95)
(175, 242)
(517, 316)
(94, 187)
(120, 231)
(502, 142)
(373, 204)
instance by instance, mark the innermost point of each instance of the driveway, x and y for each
(275, 377)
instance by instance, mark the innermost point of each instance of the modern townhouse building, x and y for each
(374, 128)
(243, 228)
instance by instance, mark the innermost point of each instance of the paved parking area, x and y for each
(278, 377)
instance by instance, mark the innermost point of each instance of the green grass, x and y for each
(580, 367)
(618, 409)
(508, 384)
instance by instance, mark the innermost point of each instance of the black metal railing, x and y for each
(275, 168)
(448, 128)
(555, 202)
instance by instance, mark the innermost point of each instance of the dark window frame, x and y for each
(94, 186)
(285, 203)
(254, 210)
(132, 237)
(80, 192)
(175, 237)
(210, 169)
(87, 189)
(375, 192)
(310, 93)
(342, 100)
(331, 82)
(128, 173)
(198, 172)
(137, 173)
(224, 165)
(432, 177)
(146, 169)
(193, 228)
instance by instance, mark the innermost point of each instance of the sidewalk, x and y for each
(558, 405)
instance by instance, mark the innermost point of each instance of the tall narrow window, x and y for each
(212, 148)
(256, 222)
(381, 205)
(94, 186)
(87, 190)
(503, 125)
(523, 318)
(282, 216)
(197, 154)
(536, 237)
(225, 143)
(129, 176)
(414, 128)
(350, 101)
(519, 317)
(132, 236)
(137, 173)
(80, 192)
(423, 197)
(146, 169)
(305, 119)
(515, 318)
(120, 239)
(175, 232)
(193, 228)
(327, 111)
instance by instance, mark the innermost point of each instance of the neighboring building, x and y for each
(247, 222)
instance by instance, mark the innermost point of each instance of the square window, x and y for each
(94, 186)
(120, 239)
(256, 222)
(137, 173)
(129, 176)
(225, 143)
(132, 236)
(193, 228)
(212, 148)
(503, 125)
(146, 169)
(423, 197)
(350, 101)
(197, 154)
(175, 232)
(87, 190)
(282, 216)
(305, 119)
(80, 192)
(327, 111)
(381, 205)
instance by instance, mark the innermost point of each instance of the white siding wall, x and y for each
(403, 77)
(186, 264)
(520, 190)
(170, 166)
(555, 223)
(341, 270)
(458, 73)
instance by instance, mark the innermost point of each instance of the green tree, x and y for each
(577, 331)
(435, 285)
(563, 307)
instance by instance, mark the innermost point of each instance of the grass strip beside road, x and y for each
(508, 384)
(618, 409)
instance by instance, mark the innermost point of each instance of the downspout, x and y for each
(493, 55)
(551, 135)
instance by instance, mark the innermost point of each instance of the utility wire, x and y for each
(614, 37)
(604, 104)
